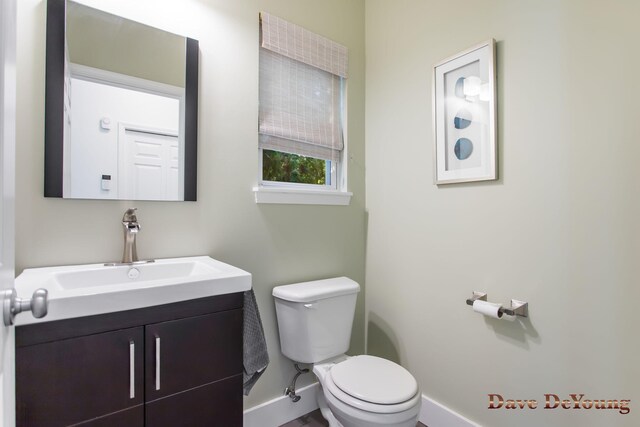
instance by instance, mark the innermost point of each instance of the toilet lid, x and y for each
(374, 380)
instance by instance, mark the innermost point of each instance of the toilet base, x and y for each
(325, 411)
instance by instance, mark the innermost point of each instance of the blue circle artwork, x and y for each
(462, 119)
(463, 148)
(459, 89)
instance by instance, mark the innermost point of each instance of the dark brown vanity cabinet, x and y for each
(172, 365)
(68, 381)
(182, 386)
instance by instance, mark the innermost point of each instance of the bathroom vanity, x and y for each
(158, 363)
(169, 365)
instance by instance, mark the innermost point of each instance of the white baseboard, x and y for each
(281, 410)
(434, 414)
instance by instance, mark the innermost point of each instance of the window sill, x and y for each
(295, 196)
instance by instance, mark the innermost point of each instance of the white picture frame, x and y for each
(464, 116)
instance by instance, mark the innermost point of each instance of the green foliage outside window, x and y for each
(284, 167)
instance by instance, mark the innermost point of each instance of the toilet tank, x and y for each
(315, 318)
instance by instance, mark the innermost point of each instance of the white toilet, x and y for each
(314, 321)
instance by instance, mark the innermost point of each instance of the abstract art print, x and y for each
(464, 109)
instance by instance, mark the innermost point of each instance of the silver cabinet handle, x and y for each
(157, 363)
(132, 369)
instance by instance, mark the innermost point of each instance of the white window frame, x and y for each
(333, 176)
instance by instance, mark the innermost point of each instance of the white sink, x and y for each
(85, 290)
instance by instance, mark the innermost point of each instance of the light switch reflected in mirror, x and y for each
(127, 129)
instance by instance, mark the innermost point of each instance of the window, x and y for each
(301, 141)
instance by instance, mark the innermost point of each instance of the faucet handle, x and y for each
(130, 215)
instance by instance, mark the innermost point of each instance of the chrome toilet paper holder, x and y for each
(518, 308)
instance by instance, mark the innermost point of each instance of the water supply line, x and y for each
(291, 389)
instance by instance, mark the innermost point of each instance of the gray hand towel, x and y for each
(255, 356)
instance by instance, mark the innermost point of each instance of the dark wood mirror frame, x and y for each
(54, 101)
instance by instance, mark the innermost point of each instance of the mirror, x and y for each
(121, 108)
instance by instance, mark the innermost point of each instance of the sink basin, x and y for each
(85, 290)
(121, 274)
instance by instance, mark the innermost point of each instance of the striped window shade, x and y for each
(300, 90)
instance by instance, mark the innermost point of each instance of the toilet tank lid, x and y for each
(316, 290)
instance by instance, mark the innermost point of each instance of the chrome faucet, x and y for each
(131, 229)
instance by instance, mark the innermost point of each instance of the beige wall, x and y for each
(277, 244)
(559, 229)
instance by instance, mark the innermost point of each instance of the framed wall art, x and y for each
(464, 110)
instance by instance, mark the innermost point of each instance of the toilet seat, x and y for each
(375, 380)
(368, 383)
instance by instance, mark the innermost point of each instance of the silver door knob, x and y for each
(38, 305)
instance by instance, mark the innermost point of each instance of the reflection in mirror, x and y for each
(128, 94)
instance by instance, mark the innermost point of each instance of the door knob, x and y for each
(38, 305)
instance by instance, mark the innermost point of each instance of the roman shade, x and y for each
(300, 90)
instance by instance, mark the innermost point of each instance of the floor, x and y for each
(314, 419)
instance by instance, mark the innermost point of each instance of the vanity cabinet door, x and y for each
(187, 353)
(127, 418)
(215, 404)
(75, 380)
